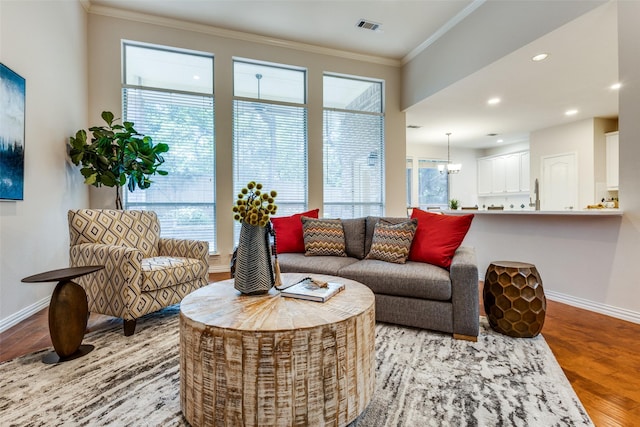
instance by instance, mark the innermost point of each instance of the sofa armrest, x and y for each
(121, 275)
(464, 292)
(197, 249)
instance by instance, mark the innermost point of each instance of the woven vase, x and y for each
(253, 269)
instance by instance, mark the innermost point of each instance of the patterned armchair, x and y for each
(143, 272)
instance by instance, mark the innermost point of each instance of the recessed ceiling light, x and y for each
(571, 112)
(196, 77)
(540, 57)
(493, 101)
(615, 86)
(500, 141)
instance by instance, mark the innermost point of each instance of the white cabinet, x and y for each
(613, 160)
(525, 168)
(512, 173)
(484, 176)
(498, 175)
(503, 174)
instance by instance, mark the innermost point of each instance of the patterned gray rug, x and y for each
(423, 379)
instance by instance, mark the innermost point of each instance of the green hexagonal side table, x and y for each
(514, 299)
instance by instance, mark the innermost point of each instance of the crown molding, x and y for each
(236, 35)
(443, 30)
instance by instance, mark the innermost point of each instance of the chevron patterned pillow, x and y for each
(392, 242)
(323, 237)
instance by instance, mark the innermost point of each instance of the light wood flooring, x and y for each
(599, 354)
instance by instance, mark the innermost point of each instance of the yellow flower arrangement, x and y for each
(255, 206)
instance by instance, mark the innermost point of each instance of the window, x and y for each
(270, 132)
(433, 186)
(353, 158)
(168, 95)
(409, 180)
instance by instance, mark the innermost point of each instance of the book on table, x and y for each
(308, 289)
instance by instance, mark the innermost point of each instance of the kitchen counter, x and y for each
(568, 212)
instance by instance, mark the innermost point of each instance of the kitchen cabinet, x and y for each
(498, 175)
(525, 168)
(484, 176)
(504, 174)
(613, 160)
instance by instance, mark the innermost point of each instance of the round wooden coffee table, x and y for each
(269, 360)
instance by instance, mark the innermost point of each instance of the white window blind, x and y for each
(353, 157)
(185, 199)
(270, 137)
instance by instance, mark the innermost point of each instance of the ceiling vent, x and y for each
(368, 25)
(413, 127)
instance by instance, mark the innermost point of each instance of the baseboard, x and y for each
(23, 314)
(219, 268)
(609, 310)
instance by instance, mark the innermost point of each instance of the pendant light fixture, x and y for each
(450, 167)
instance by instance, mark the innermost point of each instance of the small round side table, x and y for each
(514, 299)
(68, 312)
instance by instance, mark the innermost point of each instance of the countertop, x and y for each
(568, 212)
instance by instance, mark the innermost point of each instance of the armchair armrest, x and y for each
(121, 275)
(464, 292)
(197, 249)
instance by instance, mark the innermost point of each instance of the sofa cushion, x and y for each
(288, 230)
(323, 237)
(371, 222)
(413, 279)
(165, 271)
(391, 242)
(299, 263)
(437, 237)
(354, 230)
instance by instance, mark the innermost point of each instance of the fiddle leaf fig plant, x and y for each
(117, 155)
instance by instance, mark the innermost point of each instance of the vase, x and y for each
(253, 269)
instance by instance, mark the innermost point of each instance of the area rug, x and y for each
(423, 378)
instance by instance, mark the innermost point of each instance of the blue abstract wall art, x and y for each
(12, 115)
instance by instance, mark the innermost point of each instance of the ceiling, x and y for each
(582, 61)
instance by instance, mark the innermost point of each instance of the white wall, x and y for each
(44, 42)
(106, 33)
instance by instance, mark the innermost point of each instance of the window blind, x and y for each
(185, 199)
(270, 147)
(353, 164)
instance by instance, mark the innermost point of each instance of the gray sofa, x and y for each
(412, 294)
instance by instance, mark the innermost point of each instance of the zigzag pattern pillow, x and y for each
(323, 237)
(392, 242)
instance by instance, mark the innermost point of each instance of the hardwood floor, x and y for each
(600, 355)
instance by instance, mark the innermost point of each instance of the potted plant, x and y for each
(116, 155)
(453, 204)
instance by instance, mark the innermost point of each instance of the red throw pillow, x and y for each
(289, 237)
(437, 237)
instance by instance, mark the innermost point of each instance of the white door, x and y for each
(559, 185)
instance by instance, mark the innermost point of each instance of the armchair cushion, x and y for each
(165, 271)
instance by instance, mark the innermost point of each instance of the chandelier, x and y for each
(450, 167)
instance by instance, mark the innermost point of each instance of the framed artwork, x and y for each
(12, 115)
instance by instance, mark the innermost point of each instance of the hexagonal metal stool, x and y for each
(514, 299)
